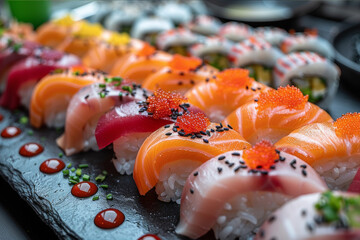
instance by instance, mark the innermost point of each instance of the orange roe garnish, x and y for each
(146, 50)
(234, 78)
(262, 155)
(311, 31)
(161, 103)
(182, 63)
(192, 122)
(78, 69)
(291, 97)
(348, 125)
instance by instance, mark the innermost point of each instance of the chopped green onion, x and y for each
(59, 70)
(86, 177)
(108, 80)
(30, 132)
(100, 178)
(84, 165)
(72, 181)
(73, 169)
(104, 172)
(76, 73)
(61, 155)
(127, 88)
(78, 172)
(102, 94)
(117, 84)
(109, 196)
(75, 178)
(69, 165)
(17, 47)
(95, 198)
(24, 120)
(102, 85)
(65, 172)
(117, 79)
(104, 186)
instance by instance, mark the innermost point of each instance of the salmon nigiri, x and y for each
(181, 74)
(236, 191)
(221, 96)
(53, 93)
(139, 65)
(333, 149)
(170, 154)
(275, 114)
(88, 105)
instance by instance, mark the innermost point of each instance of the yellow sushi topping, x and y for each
(118, 39)
(87, 30)
(348, 125)
(66, 21)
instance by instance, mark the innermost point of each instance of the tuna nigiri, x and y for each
(170, 154)
(235, 192)
(275, 114)
(53, 93)
(181, 74)
(221, 96)
(332, 149)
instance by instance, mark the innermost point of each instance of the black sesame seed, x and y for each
(226, 129)
(229, 126)
(206, 141)
(221, 125)
(174, 129)
(202, 132)
(264, 172)
(303, 166)
(227, 162)
(241, 162)
(231, 165)
(219, 130)
(261, 233)
(217, 127)
(282, 159)
(87, 96)
(191, 191)
(196, 173)
(253, 171)
(237, 168)
(277, 151)
(304, 172)
(207, 80)
(180, 83)
(243, 166)
(219, 169)
(166, 126)
(181, 133)
(221, 158)
(208, 132)
(303, 212)
(256, 100)
(193, 136)
(235, 154)
(259, 167)
(168, 134)
(272, 167)
(253, 89)
(247, 87)
(309, 227)
(272, 218)
(212, 130)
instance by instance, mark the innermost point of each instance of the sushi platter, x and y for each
(165, 123)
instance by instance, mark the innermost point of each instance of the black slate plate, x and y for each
(70, 217)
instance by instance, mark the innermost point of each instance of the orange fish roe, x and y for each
(78, 69)
(192, 122)
(234, 78)
(348, 125)
(182, 63)
(262, 155)
(291, 97)
(162, 102)
(146, 50)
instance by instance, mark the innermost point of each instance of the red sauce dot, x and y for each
(149, 237)
(263, 154)
(182, 63)
(10, 132)
(109, 218)
(84, 189)
(52, 165)
(1, 117)
(192, 122)
(31, 149)
(348, 125)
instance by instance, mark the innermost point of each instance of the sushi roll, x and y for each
(204, 25)
(148, 28)
(24, 75)
(235, 32)
(258, 56)
(103, 55)
(332, 149)
(272, 35)
(177, 41)
(128, 125)
(178, 13)
(312, 74)
(137, 66)
(214, 51)
(233, 193)
(229, 90)
(122, 19)
(53, 93)
(88, 105)
(170, 154)
(181, 74)
(299, 42)
(274, 114)
(328, 216)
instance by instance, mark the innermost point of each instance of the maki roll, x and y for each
(235, 32)
(181, 74)
(178, 13)
(53, 93)
(234, 192)
(299, 42)
(24, 75)
(332, 149)
(177, 41)
(328, 215)
(272, 35)
(122, 19)
(204, 25)
(258, 56)
(314, 75)
(214, 51)
(171, 153)
(229, 90)
(148, 28)
(88, 105)
(274, 114)
(137, 66)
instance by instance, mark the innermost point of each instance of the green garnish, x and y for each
(95, 198)
(86, 177)
(72, 182)
(69, 165)
(84, 165)
(73, 169)
(109, 196)
(101, 85)
(59, 70)
(104, 172)
(108, 80)
(17, 47)
(102, 94)
(104, 186)
(78, 172)
(117, 84)
(76, 73)
(66, 172)
(2, 30)
(24, 120)
(61, 155)
(75, 178)
(30, 132)
(127, 88)
(100, 178)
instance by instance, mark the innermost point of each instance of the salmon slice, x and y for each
(139, 65)
(53, 93)
(333, 149)
(233, 193)
(219, 97)
(275, 114)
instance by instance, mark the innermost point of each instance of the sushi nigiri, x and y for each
(235, 32)
(181, 74)
(53, 93)
(88, 105)
(272, 35)
(122, 19)
(233, 193)
(205, 25)
(128, 125)
(320, 216)
(24, 75)
(170, 154)
(178, 13)
(139, 65)
(229, 90)
(275, 114)
(332, 149)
